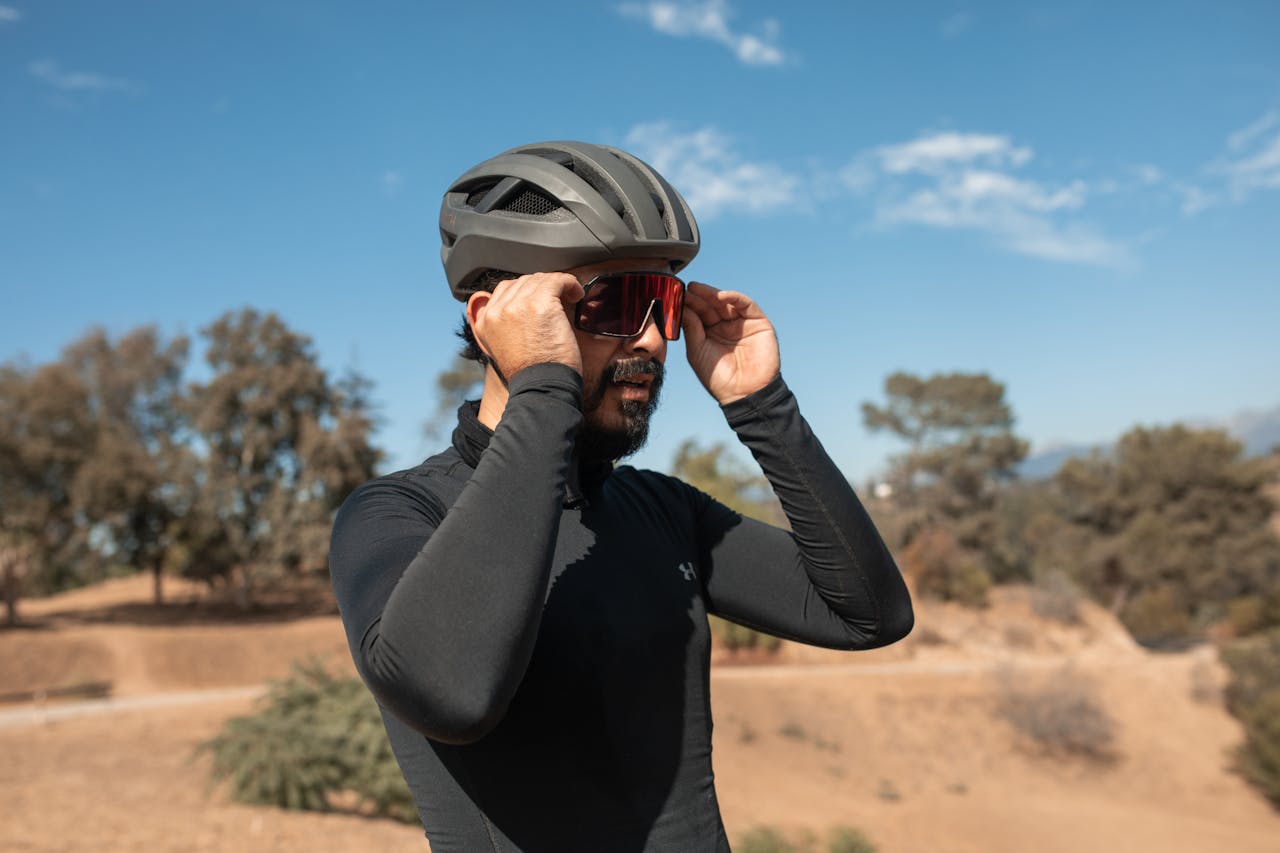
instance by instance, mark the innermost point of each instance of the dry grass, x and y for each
(1062, 714)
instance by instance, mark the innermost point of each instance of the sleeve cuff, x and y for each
(755, 404)
(559, 380)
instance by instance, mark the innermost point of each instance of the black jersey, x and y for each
(535, 631)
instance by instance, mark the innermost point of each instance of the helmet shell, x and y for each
(552, 206)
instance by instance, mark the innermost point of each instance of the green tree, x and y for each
(717, 472)
(280, 447)
(126, 487)
(45, 434)
(961, 455)
(1179, 534)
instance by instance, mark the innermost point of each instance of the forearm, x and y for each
(449, 644)
(835, 572)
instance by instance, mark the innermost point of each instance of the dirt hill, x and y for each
(908, 744)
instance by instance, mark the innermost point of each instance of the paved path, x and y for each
(33, 715)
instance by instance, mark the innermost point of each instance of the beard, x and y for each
(600, 439)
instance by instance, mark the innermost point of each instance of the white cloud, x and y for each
(48, 71)
(710, 175)
(709, 19)
(1254, 160)
(1149, 174)
(1250, 163)
(965, 181)
(1194, 199)
(9, 15)
(1244, 137)
(940, 152)
(391, 181)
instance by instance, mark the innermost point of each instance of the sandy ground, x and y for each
(904, 744)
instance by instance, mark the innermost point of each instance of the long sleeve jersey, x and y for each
(535, 630)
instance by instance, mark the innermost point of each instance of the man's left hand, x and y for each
(731, 344)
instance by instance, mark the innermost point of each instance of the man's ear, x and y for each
(476, 303)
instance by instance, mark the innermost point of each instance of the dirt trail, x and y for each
(903, 743)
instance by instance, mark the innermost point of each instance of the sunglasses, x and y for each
(618, 304)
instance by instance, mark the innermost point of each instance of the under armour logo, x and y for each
(687, 570)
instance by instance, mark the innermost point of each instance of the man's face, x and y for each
(621, 377)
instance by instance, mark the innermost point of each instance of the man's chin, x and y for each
(623, 433)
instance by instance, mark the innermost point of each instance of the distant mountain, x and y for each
(1045, 463)
(1257, 430)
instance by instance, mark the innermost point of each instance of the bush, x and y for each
(1159, 618)
(1258, 759)
(942, 568)
(1063, 715)
(1054, 596)
(315, 738)
(764, 839)
(846, 839)
(1253, 696)
(735, 637)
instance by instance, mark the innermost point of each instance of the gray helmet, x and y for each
(556, 205)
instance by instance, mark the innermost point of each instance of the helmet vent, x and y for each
(477, 195)
(530, 202)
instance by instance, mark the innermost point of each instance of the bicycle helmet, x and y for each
(556, 205)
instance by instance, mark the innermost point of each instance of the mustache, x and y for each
(628, 367)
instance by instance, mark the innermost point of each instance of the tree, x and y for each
(715, 471)
(1180, 532)
(280, 447)
(461, 380)
(126, 486)
(961, 454)
(45, 431)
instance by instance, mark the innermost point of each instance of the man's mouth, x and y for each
(634, 387)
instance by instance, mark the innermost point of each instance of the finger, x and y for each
(571, 290)
(700, 299)
(733, 304)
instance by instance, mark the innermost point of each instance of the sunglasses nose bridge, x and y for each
(628, 306)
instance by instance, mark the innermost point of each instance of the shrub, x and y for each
(313, 739)
(846, 839)
(943, 568)
(1158, 617)
(1258, 759)
(734, 636)
(1253, 696)
(1063, 715)
(764, 839)
(1054, 596)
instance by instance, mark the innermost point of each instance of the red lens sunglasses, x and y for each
(618, 304)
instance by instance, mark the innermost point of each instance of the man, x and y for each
(533, 621)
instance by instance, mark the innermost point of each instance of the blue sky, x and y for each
(1082, 201)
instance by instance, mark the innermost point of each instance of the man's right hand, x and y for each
(525, 321)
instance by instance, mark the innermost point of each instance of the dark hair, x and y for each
(487, 281)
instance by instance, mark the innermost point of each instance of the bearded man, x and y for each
(532, 619)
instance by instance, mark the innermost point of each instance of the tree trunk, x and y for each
(10, 579)
(157, 587)
(244, 587)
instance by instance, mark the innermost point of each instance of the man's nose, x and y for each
(650, 339)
